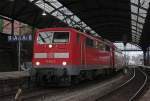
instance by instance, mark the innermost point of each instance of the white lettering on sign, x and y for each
(20, 38)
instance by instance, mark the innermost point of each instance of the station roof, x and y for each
(145, 37)
(116, 20)
(24, 11)
(110, 19)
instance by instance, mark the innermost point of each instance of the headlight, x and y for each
(64, 63)
(37, 63)
(50, 46)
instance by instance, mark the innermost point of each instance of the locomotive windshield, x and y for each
(50, 37)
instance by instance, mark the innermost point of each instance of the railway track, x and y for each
(130, 90)
(71, 93)
(87, 91)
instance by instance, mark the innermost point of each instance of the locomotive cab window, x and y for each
(53, 37)
(89, 42)
(45, 37)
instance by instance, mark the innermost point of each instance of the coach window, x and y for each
(96, 44)
(104, 47)
(101, 46)
(89, 42)
(78, 37)
(107, 48)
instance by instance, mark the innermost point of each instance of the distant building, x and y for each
(19, 28)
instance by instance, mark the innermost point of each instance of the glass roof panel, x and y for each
(141, 20)
(66, 11)
(59, 15)
(140, 26)
(134, 31)
(56, 4)
(134, 8)
(55, 13)
(83, 24)
(76, 19)
(128, 46)
(134, 27)
(48, 8)
(145, 3)
(44, 6)
(134, 1)
(142, 12)
(133, 22)
(134, 17)
(53, 8)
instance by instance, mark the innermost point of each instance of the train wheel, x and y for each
(94, 74)
(75, 80)
(64, 81)
(112, 71)
(89, 75)
(107, 72)
(37, 80)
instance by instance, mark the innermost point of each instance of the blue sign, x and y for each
(16, 38)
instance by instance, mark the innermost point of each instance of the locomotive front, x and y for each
(52, 51)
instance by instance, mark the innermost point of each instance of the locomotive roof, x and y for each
(84, 33)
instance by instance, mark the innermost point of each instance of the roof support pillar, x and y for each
(125, 39)
(12, 27)
(147, 57)
(144, 57)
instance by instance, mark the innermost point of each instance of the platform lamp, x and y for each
(124, 38)
(44, 12)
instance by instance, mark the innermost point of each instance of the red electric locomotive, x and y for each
(63, 54)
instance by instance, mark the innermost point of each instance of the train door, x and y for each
(113, 57)
(89, 51)
(108, 52)
(83, 50)
(79, 48)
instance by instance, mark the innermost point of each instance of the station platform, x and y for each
(13, 75)
(11, 81)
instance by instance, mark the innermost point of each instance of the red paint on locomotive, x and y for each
(70, 49)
